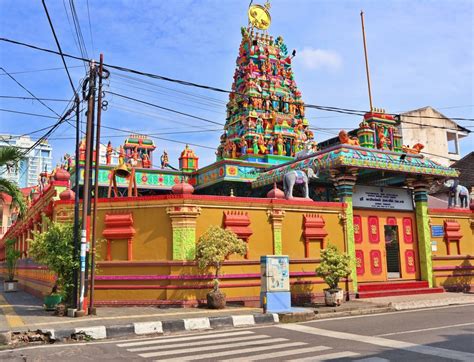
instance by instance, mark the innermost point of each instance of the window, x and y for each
(452, 143)
(44, 153)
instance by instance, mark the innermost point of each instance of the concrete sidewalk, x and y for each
(23, 312)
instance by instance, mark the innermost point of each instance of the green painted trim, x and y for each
(351, 240)
(424, 242)
(277, 242)
(184, 243)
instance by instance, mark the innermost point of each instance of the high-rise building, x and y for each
(37, 160)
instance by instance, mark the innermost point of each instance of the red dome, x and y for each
(183, 188)
(62, 175)
(275, 193)
(67, 195)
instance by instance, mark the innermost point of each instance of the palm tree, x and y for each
(9, 157)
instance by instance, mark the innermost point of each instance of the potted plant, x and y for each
(333, 267)
(54, 248)
(213, 247)
(11, 258)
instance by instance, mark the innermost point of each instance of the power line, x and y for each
(31, 98)
(164, 108)
(220, 90)
(41, 70)
(26, 113)
(22, 86)
(59, 46)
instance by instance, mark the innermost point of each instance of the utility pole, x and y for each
(96, 187)
(86, 186)
(76, 201)
(366, 59)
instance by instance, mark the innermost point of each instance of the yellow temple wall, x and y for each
(453, 269)
(152, 276)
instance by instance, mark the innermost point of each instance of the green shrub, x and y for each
(54, 248)
(334, 266)
(11, 259)
(214, 246)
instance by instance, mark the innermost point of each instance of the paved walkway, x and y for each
(21, 311)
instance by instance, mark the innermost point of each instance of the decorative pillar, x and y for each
(276, 218)
(183, 222)
(423, 230)
(344, 183)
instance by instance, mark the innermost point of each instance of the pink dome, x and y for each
(67, 195)
(62, 175)
(183, 188)
(275, 193)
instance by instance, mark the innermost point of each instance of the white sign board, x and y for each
(388, 198)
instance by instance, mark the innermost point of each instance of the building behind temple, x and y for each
(37, 160)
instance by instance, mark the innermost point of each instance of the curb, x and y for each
(149, 328)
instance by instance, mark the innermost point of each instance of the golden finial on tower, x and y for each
(259, 16)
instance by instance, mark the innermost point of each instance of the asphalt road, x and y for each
(438, 334)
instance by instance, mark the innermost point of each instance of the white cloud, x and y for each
(311, 58)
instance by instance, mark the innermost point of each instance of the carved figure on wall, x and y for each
(298, 177)
(344, 138)
(234, 150)
(458, 194)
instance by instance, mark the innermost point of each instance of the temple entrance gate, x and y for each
(386, 245)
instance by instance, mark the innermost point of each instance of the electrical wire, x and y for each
(31, 98)
(59, 47)
(215, 89)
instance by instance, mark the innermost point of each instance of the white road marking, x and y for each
(327, 357)
(239, 351)
(372, 359)
(383, 342)
(198, 343)
(260, 357)
(210, 348)
(185, 338)
(388, 313)
(425, 329)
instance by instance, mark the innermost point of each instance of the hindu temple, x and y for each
(276, 188)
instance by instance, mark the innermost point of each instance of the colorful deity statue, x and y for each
(108, 153)
(270, 146)
(383, 141)
(259, 127)
(234, 150)
(243, 146)
(255, 145)
(121, 158)
(261, 145)
(280, 145)
(146, 163)
(82, 150)
(164, 159)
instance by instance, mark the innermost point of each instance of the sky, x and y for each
(420, 54)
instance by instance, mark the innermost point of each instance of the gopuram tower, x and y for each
(265, 114)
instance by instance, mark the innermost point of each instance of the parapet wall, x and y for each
(452, 235)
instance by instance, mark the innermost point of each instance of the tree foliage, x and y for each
(334, 266)
(11, 259)
(214, 246)
(54, 248)
(9, 157)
